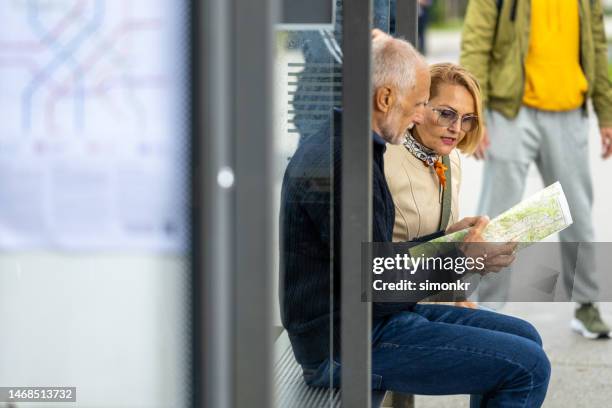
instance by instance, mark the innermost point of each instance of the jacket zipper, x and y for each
(523, 54)
(513, 11)
(585, 107)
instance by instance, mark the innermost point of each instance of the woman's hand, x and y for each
(465, 223)
(496, 256)
(468, 304)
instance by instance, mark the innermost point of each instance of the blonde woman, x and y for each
(424, 174)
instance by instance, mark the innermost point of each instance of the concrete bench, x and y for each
(290, 390)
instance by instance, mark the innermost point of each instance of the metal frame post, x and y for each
(253, 68)
(212, 233)
(232, 43)
(356, 316)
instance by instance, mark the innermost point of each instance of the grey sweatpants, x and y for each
(558, 144)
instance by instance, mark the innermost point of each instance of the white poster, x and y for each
(93, 125)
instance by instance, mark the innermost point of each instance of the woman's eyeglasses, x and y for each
(447, 117)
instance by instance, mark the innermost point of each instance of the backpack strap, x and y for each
(447, 195)
(500, 3)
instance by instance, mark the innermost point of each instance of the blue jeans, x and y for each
(442, 350)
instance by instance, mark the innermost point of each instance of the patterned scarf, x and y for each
(427, 156)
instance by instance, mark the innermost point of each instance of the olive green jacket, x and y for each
(494, 46)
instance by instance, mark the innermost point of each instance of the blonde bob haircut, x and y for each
(453, 74)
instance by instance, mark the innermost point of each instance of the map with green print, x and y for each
(532, 220)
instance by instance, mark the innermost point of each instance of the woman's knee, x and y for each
(535, 364)
(529, 331)
(522, 328)
(542, 368)
(526, 381)
(531, 370)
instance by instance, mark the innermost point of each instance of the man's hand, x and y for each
(606, 142)
(479, 154)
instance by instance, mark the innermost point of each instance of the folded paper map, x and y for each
(532, 220)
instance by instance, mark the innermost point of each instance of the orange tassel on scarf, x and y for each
(440, 172)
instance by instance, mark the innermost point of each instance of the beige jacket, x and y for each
(416, 193)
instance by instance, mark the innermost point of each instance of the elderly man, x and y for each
(418, 349)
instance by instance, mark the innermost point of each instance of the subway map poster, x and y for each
(94, 125)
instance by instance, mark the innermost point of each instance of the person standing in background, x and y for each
(538, 62)
(424, 6)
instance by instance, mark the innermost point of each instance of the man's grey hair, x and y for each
(394, 64)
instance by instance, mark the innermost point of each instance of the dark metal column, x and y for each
(356, 193)
(213, 231)
(233, 130)
(252, 113)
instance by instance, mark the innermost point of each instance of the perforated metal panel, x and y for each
(290, 390)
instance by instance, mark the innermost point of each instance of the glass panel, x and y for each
(308, 88)
(94, 223)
